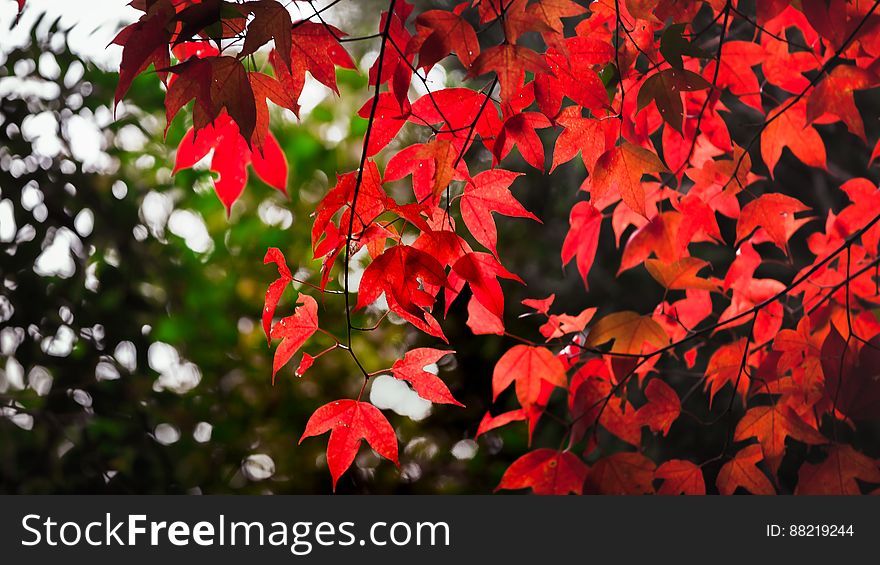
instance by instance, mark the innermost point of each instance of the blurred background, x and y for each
(131, 354)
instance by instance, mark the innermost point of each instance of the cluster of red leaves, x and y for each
(641, 93)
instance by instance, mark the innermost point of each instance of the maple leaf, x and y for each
(371, 202)
(837, 474)
(276, 289)
(304, 365)
(784, 68)
(622, 473)
(681, 274)
(593, 399)
(680, 477)
(433, 166)
(314, 48)
(231, 157)
(519, 129)
(661, 236)
(829, 18)
(663, 407)
(743, 267)
(736, 71)
(517, 20)
(665, 87)
(558, 325)
(630, 332)
(427, 385)
(571, 74)
(230, 89)
(267, 88)
(488, 193)
(481, 271)
(771, 425)
(396, 67)
(527, 366)
(444, 245)
(582, 239)
(742, 472)
(834, 95)
(294, 331)
(510, 63)
(349, 422)
(788, 129)
(397, 273)
(540, 305)
(726, 366)
(444, 33)
(852, 378)
(459, 108)
(144, 42)
(699, 220)
(551, 12)
(586, 136)
(546, 471)
(774, 213)
(192, 80)
(490, 422)
(620, 170)
(389, 118)
(727, 177)
(271, 21)
(444, 157)
(481, 321)
(795, 345)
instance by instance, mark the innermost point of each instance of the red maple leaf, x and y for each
(852, 375)
(771, 425)
(489, 192)
(663, 407)
(837, 473)
(519, 130)
(397, 273)
(481, 271)
(441, 33)
(775, 214)
(349, 422)
(314, 48)
(271, 21)
(680, 477)
(546, 471)
(144, 42)
(789, 128)
(582, 239)
(294, 331)
(527, 366)
(510, 63)
(741, 472)
(622, 473)
(427, 385)
(276, 289)
(490, 422)
(231, 157)
(619, 171)
(681, 274)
